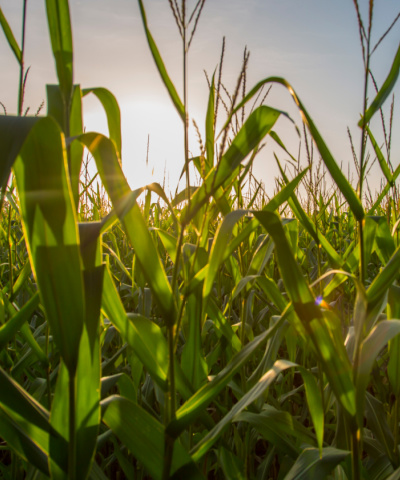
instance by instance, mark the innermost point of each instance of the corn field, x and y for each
(205, 336)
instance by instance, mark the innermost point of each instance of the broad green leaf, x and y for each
(253, 394)
(223, 324)
(10, 37)
(124, 201)
(59, 24)
(384, 192)
(376, 417)
(384, 279)
(231, 465)
(330, 350)
(57, 108)
(51, 232)
(113, 113)
(23, 315)
(88, 371)
(142, 434)
(310, 465)
(384, 243)
(149, 345)
(59, 418)
(279, 428)
(315, 405)
(193, 363)
(256, 127)
(24, 444)
(333, 168)
(218, 249)
(395, 475)
(13, 132)
(335, 258)
(371, 347)
(393, 367)
(160, 66)
(191, 409)
(381, 159)
(169, 241)
(24, 423)
(384, 91)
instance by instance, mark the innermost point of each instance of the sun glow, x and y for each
(152, 141)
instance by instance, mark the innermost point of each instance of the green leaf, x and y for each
(124, 201)
(335, 259)
(10, 37)
(315, 405)
(88, 372)
(384, 91)
(142, 434)
(161, 67)
(113, 114)
(148, 342)
(256, 127)
(13, 132)
(334, 169)
(376, 417)
(384, 279)
(191, 409)
(231, 465)
(51, 233)
(58, 19)
(381, 159)
(371, 347)
(24, 424)
(23, 315)
(310, 465)
(330, 348)
(253, 394)
(279, 428)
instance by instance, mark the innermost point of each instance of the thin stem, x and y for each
(21, 69)
(185, 98)
(72, 429)
(355, 455)
(362, 155)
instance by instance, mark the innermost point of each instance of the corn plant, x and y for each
(196, 337)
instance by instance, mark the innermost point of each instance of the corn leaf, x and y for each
(124, 201)
(25, 425)
(331, 352)
(23, 315)
(142, 434)
(10, 37)
(333, 168)
(160, 66)
(212, 436)
(113, 114)
(52, 235)
(13, 132)
(371, 347)
(311, 465)
(59, 23)
(381, 159)
(384, 91)
(191, 409)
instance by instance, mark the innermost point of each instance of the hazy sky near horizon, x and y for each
(314, 44)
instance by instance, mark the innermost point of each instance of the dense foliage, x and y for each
(207, 336)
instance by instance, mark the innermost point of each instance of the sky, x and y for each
(314, 44)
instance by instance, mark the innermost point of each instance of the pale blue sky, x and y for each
(314, 44)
